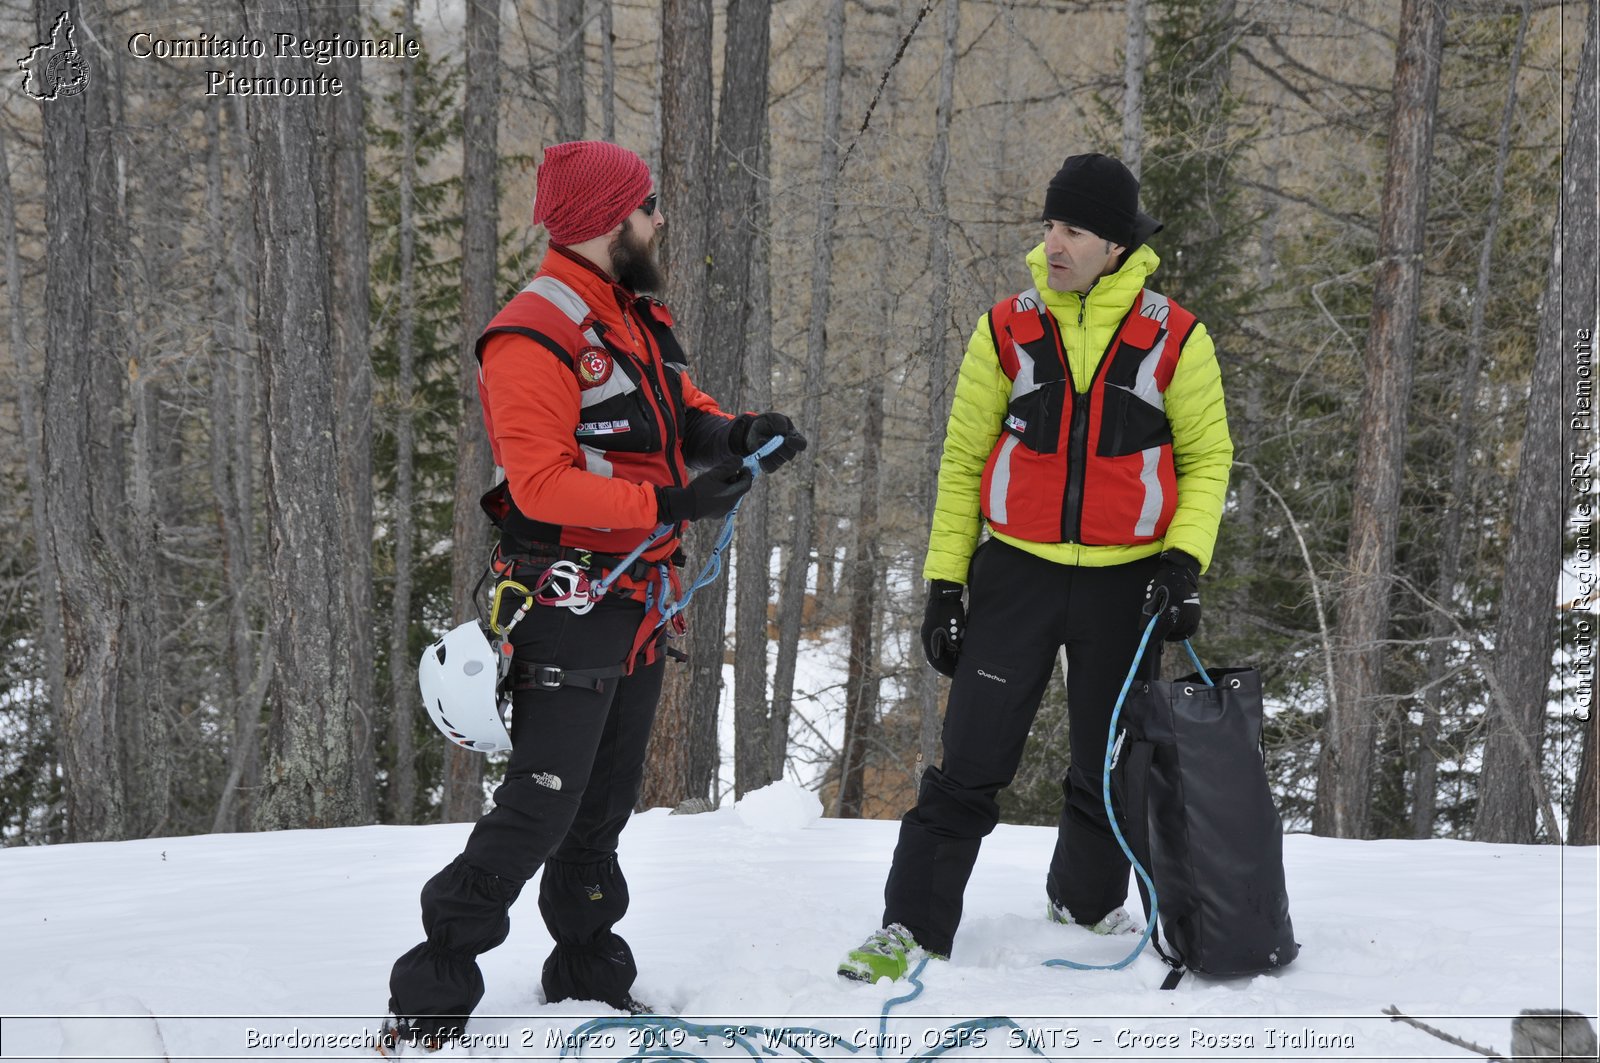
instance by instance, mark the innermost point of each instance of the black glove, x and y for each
(711, 494)
(944, 623)
(1173, 596)
(752, 431)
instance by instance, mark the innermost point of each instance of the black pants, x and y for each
(576, 764)
(1020, 609)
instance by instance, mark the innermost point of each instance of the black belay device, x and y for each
(1200, 818)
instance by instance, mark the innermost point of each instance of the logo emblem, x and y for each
(594, 366)
(54, 68)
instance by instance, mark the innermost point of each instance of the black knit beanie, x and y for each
(1098, 193)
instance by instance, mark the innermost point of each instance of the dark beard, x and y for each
(633, 263)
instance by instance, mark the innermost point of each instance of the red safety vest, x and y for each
(1092, 468)
(633, 410)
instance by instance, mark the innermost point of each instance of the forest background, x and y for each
(241, 453)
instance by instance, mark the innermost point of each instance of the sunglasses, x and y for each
(649, 204)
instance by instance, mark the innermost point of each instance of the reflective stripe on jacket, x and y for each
(1108, 441)
(588, 406)
(1097, 517)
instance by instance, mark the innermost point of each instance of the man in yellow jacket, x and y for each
(1088, 433)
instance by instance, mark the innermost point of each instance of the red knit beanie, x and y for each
(586, 187)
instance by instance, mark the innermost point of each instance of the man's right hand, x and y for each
(944, 624)
(711, 494)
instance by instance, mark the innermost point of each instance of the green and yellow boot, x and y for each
(887, 953)
(1116, 921)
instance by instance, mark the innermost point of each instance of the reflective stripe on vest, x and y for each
(569, 302)
(1096, 467)
(622, 431)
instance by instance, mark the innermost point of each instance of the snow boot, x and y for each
(634, 1006)
(887, 953)
(1116, 921)
(399, 1038)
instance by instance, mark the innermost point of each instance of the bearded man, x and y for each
(596, 425)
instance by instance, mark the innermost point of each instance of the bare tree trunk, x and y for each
(1525, 639)
(1458, 513)
(683, 758)
(1135, 55)
(344, 136)
(1584, 826)
(608, 72)
(222, 431)
(569, 70)
(802, 529)
(310, 777)
(1345, 776)
(759, 754)
(235, 435)
(28, 418)
(1247, 417)
(927, 683)
(404, 702)
(463, 787)
(756, 597)
(862, 574)
(144, 722)
(735, 355)
(82, 460)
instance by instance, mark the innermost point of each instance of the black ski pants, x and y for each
(1020, 608)
(577, 760)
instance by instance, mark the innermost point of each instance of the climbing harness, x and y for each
(467, 678)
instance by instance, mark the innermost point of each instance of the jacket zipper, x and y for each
(1077, 436)
(663, 408)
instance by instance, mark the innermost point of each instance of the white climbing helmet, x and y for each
(459, 675)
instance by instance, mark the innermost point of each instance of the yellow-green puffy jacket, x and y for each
(1202, 449)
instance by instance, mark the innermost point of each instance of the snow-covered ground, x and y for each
(270, 945)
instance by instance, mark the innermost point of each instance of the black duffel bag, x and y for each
(1200, 819)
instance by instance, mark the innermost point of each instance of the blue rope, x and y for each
(1113, 747)
(993, 1022)
(915, 978)
(1195, 657)
(1113, 742)
(713, 567)
(946, 1042)
(665, 1029)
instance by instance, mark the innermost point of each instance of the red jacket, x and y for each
(588, 405)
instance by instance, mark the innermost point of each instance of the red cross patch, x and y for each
(594, 367)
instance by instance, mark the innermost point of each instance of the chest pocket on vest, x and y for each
(1133, 416)
(1039, 390)
(614, 414)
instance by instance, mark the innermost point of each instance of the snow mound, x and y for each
(781, 806)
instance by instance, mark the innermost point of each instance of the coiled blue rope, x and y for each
(713, 567)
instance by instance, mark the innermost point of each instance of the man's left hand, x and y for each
(1173, 597)
(752, 431)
